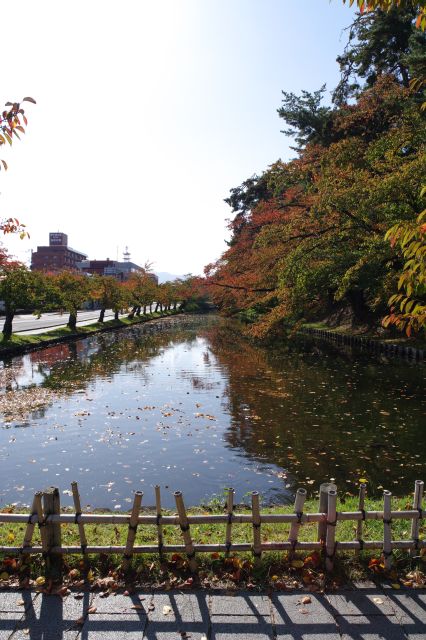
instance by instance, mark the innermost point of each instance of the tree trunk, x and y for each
(116, 315)
(7, 328)
(144, 309)
(359, 307)
(156, 307)
(132, 313)
(101, 315)
(72, 321)
(174, 306)
(138, 311)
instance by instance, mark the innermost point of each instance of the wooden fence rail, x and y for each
(46, 514)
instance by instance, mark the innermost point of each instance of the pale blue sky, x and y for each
(149, 112)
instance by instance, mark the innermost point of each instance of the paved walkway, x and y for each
(365, 613)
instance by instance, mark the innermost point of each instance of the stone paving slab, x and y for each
(241, 604)
(288, 608)
(175, 613)
(185, 607)
(51, 617)
(356, 603)
(410, 610)
(112, 626)
(241, 627)
(371, 628)
(122, 604)
(10, 600)
(312, 621)
(8, 623)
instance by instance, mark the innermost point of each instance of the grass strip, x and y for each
(275, 569)
(19, 343)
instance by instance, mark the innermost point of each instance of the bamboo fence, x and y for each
(377, 346)
(46, 514)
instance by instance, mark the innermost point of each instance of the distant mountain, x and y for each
(165, 276)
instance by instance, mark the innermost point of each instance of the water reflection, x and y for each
(197, 408)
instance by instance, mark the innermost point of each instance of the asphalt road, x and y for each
(30, 324)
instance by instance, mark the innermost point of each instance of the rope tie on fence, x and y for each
(293, 545)
(332, 524)
(416, 543)
(133, 527)
(361, 545)
(299, 517)
(421, 516)
(387, 554)
(363, 514)
(77, 515)
(184, 527)
(229, 518)
(228, 547)
(256, 525)
(387, 521)
(158, 520)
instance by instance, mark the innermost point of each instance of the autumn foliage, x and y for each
(308, 237)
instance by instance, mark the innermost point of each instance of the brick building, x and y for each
(58, 256)
(120, 270)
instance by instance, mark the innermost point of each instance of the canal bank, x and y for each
(19, 344)
(389, 347)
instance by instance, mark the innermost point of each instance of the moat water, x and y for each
(191, 405)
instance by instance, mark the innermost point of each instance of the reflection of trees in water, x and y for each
(66, 368)
(318, 415)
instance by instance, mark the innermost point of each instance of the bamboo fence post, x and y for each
(52, 506)
(417, 504)
(77, 507)
(330, 544)
(322, 508)
(230, 510)
(29, 531)
(133, 526)
(361, 505)
(40, 521)
(159, 516)
(298, 510)
(387, 534)
(184, 527)
(257, 551)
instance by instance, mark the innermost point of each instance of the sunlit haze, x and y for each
(148, 112)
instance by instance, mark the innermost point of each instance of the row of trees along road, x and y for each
(21, 288)
(308, 235)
